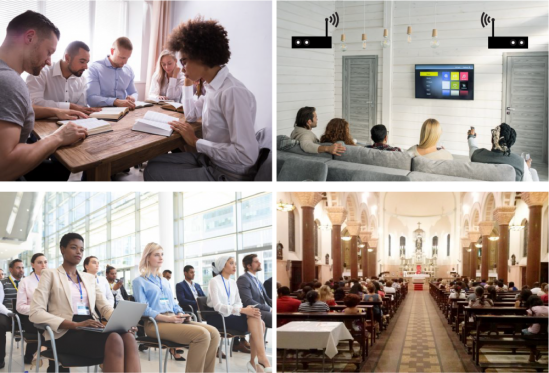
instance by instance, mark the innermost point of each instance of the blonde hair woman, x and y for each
(167, 81)
(427, 147)
(325, 295)
(173, 324)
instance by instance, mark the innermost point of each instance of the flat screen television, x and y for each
(445, 82)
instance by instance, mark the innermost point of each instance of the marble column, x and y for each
(353, 227)
(486, 228)
(308, 201)
(473, 238)
(337, 216)
(365, 237)
(535, 202)
(503, 216)
(466, 257)
(372, 260)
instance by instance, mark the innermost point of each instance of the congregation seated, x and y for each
(337, 129)
(512, 286)
(325, 295)
(523, 296)
(389, 289)
(357, 289)
(312, 304)
(480, 299)
(284, 302)
(339, 294)
(431, 130)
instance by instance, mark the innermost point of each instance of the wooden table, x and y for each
(107, 153)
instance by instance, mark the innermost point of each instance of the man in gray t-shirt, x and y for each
(16, 103)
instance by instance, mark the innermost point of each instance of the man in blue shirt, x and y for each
(111, 80)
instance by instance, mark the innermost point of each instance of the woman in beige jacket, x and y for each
(65, 299)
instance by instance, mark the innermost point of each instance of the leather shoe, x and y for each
(246, 343)
(2, 364)
(241, 347)
(223, 356)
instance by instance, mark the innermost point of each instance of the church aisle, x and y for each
(417, 342)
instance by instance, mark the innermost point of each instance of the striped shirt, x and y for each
(10, 292)
(318, 306)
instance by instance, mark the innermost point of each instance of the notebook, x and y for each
(156, 101)
(93, 125)
(111, 113)
(154, 123)
(173, 106)
(140, 104)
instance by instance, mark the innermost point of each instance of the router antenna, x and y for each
(326, 19)
(493, 23)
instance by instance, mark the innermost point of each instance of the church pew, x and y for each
(511, 342)
(470, 312)
(461, 304)
(369, 310)
(359, 336)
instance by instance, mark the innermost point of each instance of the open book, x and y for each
(157, 101)
(173, 106)
(111, 113)
(155, 123)
(93, 125)
(140, 104)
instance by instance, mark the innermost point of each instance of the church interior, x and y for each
(414, 261)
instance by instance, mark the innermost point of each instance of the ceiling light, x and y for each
(346, 238)
(286, 207)
(370, 249)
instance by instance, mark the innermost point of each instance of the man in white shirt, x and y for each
(535, 289)
(389, 289)
(62, 85)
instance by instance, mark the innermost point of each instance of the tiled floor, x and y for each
(237, 363)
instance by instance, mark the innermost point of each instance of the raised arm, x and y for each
(192, 107)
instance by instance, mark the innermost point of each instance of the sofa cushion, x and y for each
(467, 170)
(297, 170)
(347, 171)
(422, 176)
(362, 155)
(285, 144)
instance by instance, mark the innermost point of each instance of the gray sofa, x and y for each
(362, 164)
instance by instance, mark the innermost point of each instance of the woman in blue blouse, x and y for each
(173, 324)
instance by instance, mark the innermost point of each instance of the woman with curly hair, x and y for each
(337, 130)
(229, 149)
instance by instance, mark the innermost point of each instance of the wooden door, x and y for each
(296, 278)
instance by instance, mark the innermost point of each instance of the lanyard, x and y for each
(193, 289)
(160, 286)
(97, 279)
(13, 283)
(227, 291)
(37, 279)
(79, 285)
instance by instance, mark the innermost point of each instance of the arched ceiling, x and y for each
(419, 204)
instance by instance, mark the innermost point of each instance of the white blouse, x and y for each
(217, 296)
(105, 289)
(173, 90)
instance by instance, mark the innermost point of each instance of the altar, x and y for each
(418, 268)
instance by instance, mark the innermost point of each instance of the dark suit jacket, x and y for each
(268, 284)
(185, 295)
(249, 294)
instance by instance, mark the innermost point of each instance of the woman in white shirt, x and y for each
(91, 266)
(167, 80)
(228, 149)
(25, 291)
(223, 297)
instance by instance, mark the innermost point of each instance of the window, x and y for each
(389, 244)
(448, 245)
(291, 231)
(434, 249)
(10, 9)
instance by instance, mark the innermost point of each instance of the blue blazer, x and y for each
(185, 295)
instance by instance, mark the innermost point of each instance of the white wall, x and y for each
(249, 28)
(304, 77)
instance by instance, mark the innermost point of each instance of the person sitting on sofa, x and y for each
(337, 130)
(503, 137)
(305, 121)
(380, 136)
(428, 138)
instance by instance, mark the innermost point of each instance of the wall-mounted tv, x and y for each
(445, 82)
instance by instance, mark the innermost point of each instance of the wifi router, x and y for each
(316, 42)
(502, 42)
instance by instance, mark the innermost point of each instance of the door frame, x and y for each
(343, 83)
(504, 83)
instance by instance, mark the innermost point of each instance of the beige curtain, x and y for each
(160, 29)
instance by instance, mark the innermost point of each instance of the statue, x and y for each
(513, 259)
(419, 244)
(327, 258)
(279, 251)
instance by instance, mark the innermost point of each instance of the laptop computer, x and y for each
(125, 316)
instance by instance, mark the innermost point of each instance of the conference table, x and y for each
(107, 153)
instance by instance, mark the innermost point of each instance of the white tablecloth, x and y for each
(304, 335)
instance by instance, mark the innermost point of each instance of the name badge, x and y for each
(164, 302)
(82, 309)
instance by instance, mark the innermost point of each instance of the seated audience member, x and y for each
(500, 287)
(111, 80)
(357, 289)
(535, 288)
(326, 296)
(492, 293)
(167, 80)
(8, 294)
(62, 85)
(380, 135)
(480, 299)
(351, 302)
(512, 286)
(378, 289)
(503, 137)
(535, 307)
(305, 121)
(431, 131)
(339, 294)
(303, 292)
(372, 296)
(458, 293)
(542, 290)
(312, 304)
(117, 286)
(187, 290)
(91, 266)
(522, 297)
(285, 303)
(545, 295)
(336, 130)
(389, 289)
